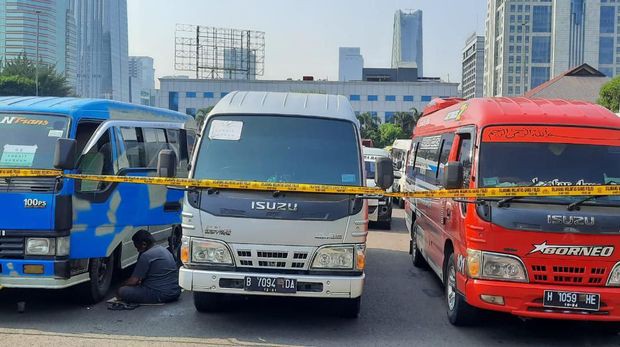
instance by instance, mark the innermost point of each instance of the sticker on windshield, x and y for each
(348, 178)
(18, 156)
(225, 130)
(14, 120)
(55, 133)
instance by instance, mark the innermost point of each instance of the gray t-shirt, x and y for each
(158, 271)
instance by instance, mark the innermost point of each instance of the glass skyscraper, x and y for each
(102, 49)
(56, 26)
(407, 48)
(529, 42)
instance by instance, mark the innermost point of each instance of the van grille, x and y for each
(273, 257)
(28, 185)
(11, 247)
(569, 274)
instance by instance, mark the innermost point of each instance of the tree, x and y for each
(51, 83)
(16, 85)
(201, 115)
(369, 127)
(407, 120)
(609, 96)
(388, 133)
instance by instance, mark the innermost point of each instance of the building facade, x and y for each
(380, 99)
(473, 67)
(102, 49)
(407, 49)
(141, 81)
(350, 64)
(529, 42)
(20, 20)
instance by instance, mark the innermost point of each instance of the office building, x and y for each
(407, 42)
(380, 99)
(53, 20)
(473, 67)
(102, 49)
(141, 81)
(581, 83)
(530, 42)
(350, 64)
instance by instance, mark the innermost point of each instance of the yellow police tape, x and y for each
(599, 190)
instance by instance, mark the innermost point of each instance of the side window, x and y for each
(176, 142)
(446, 147)
(134, 147)
(464, 157)
(97, 161)
(154, 142)
(411, 159)
(425, 166)
(191, 142)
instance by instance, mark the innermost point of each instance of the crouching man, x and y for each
(155, 278)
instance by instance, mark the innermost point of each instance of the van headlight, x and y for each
(495, 266)
(213, 252)
(40, 246)
(334, 257)
(614, 277)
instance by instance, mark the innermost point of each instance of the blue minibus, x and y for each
(60, 232)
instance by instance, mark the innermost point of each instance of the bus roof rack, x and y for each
(439, 104)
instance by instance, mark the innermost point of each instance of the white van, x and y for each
(270, 242)
(399, 153)
(379, 210)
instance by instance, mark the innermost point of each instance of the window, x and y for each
(173, 101)
(609, 72)
(408, 98)
(390, 98)
(540, 75)
(190, 111)
(154, 142)
(464, 157)
(446, 147)
(389, 116)
(425, 163)
(208, 95)
(190, 94)
(373, 98)
(178, 143)
(426, 98)
(608, 19)
(541, 19)
(373, 114)
(541, 49)
(354, 97)
(223, 94)
(97, 161)
(606, 50)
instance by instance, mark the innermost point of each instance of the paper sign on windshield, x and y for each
(225, 130)
(18, 156)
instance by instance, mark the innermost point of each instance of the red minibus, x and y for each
(536, 257)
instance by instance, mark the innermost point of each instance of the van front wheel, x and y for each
(460, 313)
(349, 308)
(100, 271)
(209, 302)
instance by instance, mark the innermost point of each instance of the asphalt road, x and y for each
(401, 306)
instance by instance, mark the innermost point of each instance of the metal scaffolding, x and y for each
(219, 53)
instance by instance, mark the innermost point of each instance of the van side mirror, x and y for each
(384, 173)
(452, 175)
(167, 163)
(64, 154)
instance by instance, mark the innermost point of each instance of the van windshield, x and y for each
(508, 164)
(287, 149)
(29, 141)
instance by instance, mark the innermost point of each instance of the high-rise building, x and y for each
(473, 67)
(21, 20)
(529, 42)
(102, 49)
(407, 43)
(350, 64)
(141, 81)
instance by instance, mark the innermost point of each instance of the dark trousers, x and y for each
(142, 295)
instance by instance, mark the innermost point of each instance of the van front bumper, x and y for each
(526, 300)
(307, 285)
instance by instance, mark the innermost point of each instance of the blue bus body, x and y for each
(96, 219)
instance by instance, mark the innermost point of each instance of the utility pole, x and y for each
(36, 63)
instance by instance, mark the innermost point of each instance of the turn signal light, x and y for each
(474, 258)
(34, 269)
(185, 250)
(360, 257)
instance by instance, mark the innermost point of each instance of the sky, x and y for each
(302, 36)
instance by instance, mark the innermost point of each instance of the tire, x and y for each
(209, 302)
(101, 272)
(349, 308)
(386, 225)
(416, 257)
(460, 313)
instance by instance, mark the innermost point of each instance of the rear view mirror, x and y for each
(64, 154)
(384, 173)
(167, 163)
(452, 175)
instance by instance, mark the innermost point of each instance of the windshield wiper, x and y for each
(575, 205)
(504, 202)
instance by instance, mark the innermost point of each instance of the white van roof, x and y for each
(302, 104)
(404, 145)
(375, 152)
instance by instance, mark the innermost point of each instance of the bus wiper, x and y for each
(575, 205)
(504, 202)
